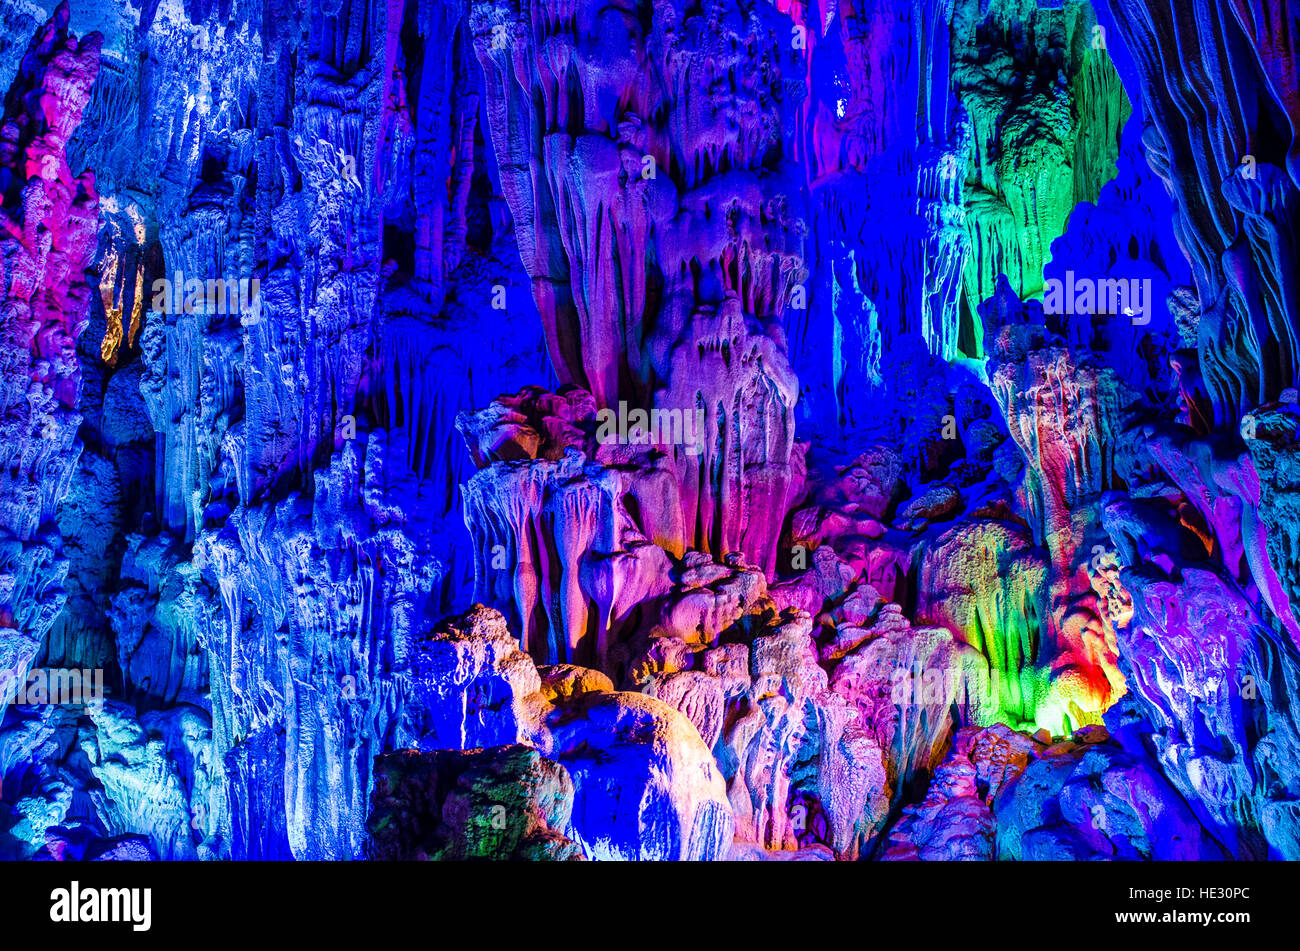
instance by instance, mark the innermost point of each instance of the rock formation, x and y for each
(514, 429)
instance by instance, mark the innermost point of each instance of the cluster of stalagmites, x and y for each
(825, 710)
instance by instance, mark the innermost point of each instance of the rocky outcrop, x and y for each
(662, 248)
(1063, 410)
(502, 803)
(47, 242)
(1002, 795)
(477, 689)
(1223, 737)
(1233, 182)
(1046, 107)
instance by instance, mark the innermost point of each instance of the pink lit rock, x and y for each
(47, 241)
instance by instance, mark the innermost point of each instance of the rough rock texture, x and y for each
(477, 689)
(661, 430)
(47, 242)
(1233, 179)
(656, 227)
(1046, 106)
(1002, 795)
(501, 803)
(1062, 411)
(1222, 737)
